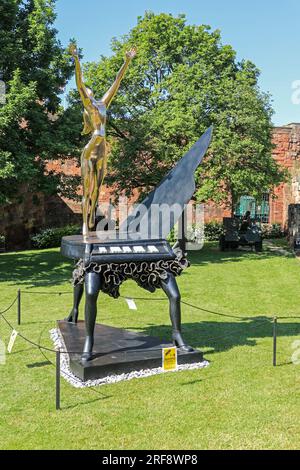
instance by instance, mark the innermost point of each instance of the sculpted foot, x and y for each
(86, 357)
(88, 350)
(179, 342)
(73, 317)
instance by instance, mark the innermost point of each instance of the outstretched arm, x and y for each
(79, 80)
(109, 95)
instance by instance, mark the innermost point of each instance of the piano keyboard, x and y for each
(116, 251)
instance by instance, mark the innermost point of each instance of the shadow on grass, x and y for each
(212, 254)
(35, 269)
(222, 336)
(207, 335)
(39, 364)
(87, 402)
(49, 268)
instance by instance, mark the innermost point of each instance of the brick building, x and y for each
(286, 140)
(35, 211)
(287, 153)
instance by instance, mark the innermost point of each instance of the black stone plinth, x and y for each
(116, 351)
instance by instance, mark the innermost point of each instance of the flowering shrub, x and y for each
(272, 231)
(51, 237)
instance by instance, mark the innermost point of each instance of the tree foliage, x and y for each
(182, 81)
(33, 125)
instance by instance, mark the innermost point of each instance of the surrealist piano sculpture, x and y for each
(139, 251)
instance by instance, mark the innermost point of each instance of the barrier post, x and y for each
(275, 341)
(57, 381)
(19, 306)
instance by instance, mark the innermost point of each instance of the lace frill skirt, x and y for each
(147, 274)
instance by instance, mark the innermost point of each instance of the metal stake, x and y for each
(19, 306)
(275, 342)
(58, 379)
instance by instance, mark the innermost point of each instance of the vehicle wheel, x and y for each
(234, 245)
(258, 247)
(222, 243)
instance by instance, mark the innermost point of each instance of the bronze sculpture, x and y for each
(94, 155)
(149, 261)
(103, 272)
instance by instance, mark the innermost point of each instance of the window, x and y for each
(260, 211)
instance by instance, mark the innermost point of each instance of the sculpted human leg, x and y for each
(99, 171)
(89, 181)
(170, 287)
(92, 288)
(85, 197)
(77, 296)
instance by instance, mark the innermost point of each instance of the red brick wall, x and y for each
(213, 212)
(31, 212)
(34, 211)
(19, 220)
(287, 153)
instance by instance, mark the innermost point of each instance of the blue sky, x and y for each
(266, 32)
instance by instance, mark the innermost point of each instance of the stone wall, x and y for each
(32, 212)
(22, 218)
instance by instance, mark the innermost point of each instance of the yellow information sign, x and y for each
(169, 358)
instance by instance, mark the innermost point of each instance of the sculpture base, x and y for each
(116, 351)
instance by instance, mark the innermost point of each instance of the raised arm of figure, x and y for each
(83, 90)
(109, 95)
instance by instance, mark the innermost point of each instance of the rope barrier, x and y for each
(208, 340)
(58, 351)
(152, 300)
(142, 298)
(24, 338)
(46, 293)
(11, 305)
(214, 313)
(72, 377)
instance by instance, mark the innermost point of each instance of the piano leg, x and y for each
(77, 296)
(92, 288)
(170, 288)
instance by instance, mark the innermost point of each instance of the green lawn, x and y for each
(239, 401)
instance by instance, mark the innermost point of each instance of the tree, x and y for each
(33, 125)
(240, 160)
(183, 80)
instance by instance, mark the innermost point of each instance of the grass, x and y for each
(281, 243)
(239, 402)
